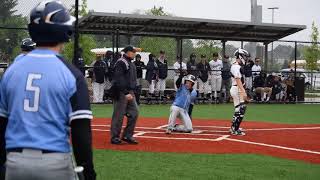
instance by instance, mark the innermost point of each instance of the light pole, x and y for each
(272, 8)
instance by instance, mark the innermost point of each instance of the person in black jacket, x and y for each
(151, 75)
(268, 87)
(162, 74)
(139, 66)
(204, 68)
(226, 78)
(248, 74)
(258, 85)
(108, 74)
(80, 61)
(192, 67)
(99, 81)
(123, 86)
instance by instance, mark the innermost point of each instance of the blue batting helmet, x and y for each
(50, 22)
(27, 45)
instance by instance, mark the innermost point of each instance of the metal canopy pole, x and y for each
(295, 71)
(241, 44)
(223, 48)
(117, 41)
(113, 45)
(179, 50)
(181, 41)
(76, 35)
(266, 57)
(178, 47)
(129, 39)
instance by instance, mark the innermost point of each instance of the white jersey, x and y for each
(216, 67)
(177, 66)
(256, 69)
(236, 73)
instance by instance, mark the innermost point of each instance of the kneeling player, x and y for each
(180, 107)
(238, 92)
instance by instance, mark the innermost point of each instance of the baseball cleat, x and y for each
(168, 131)
(237, 133)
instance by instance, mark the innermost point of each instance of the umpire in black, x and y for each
(123, 86)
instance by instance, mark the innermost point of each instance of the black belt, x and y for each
(20, 150)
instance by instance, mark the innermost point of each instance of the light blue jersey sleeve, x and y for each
(193, 96)
(3, 104)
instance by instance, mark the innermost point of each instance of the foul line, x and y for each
(273, 146)
(193, 139)
(277, 129)
(163, 126)
(139, 134)
(98, 125)
(154, 132)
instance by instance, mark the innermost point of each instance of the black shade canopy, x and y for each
(191, 28)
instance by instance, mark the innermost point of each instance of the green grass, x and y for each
(276, 113)
(170, 166)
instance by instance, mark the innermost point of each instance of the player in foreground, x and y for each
(180, 107)
(238, 91)
(42, 102)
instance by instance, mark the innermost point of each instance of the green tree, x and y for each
(9, 38)
(86, 42)
(155, 44)
(157, 11)
(312, 53)
(7, 9)
(207, 47)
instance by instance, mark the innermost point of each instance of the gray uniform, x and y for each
(25, 164)
(124, 82)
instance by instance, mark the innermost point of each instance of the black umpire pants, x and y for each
(122, 107)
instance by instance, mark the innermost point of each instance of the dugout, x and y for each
(180, 28)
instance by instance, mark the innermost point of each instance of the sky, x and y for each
(298, 12)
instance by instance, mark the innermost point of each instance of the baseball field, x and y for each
(281, 142)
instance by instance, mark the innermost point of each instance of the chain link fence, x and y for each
(278, 61)
(278, 69)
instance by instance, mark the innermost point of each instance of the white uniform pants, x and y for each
(175, 78)
(152, 86)
(98, 91)
(204, 86)
(107, 85)
(216, 83)
(248, 82)
(176, 112)
(235, 93)
(161, 85)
